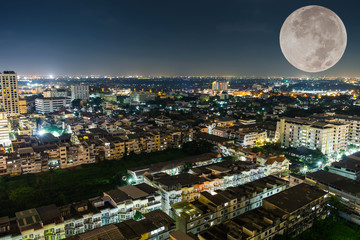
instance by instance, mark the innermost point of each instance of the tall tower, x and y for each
(219, 85)
(9, 92)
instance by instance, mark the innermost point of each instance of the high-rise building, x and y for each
(4, 129)
(80, 92)
(220, 86)
(9, 92)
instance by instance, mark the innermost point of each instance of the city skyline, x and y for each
(168, 39)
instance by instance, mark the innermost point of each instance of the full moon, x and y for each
(313, 38)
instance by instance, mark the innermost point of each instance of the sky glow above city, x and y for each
(159, 37)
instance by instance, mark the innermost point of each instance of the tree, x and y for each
(335, 206)
(197, 147)
(186, 167)
(76, 103)
(22, 196)
(229, 158)
(138, 216)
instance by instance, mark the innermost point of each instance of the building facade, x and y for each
(9, 93)
(49, 105)
(80, 92)
(313, 134)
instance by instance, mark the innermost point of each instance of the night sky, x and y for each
(149, 37)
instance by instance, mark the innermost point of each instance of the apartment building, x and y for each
(114, 207)
(353, 122)
(219, 85)
(30, 156)
(273, 164)
(54, 92)
(256, 224)
(174, 167)
(348, 166)
(4, 130)
(49, 105)
(246, 137)
(80, 92)
(156, 225)
(214, 208)
(9, 93)
(132, 199)
(250, 137)
(39, 223)
(75, 155)
(346, 189)
(188, 186)
(22, 106)
(328, 137)
(163, 121)
(293, 211)
(175, 188)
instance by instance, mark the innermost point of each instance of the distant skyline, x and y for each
(233, 38)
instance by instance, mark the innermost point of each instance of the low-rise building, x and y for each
(273, 164)
(217, 207)
(173, 167)
(348, 167)
(347, 190)
(133, 200)
(48, 105)
(291, 211)
(188, 186)
(156, 225)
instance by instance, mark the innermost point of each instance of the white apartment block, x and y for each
(245, 137)
(48, 105)
(328, 137)
(353, 122)
(4, 129)
(9, 93)
(250, 138)
(79, 92)
(274, 164)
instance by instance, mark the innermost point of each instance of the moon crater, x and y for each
(313, 38)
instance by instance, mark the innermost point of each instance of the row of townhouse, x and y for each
(173, 167)
(188, 186)
(211, 209)
(52, 222)
(156, 225)
(290, 212)
(347, 190)
(41, 158)
(134, 199)
(110, 147)
(32, 154)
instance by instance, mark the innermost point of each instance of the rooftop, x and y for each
(295, 197)
(336, 181)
